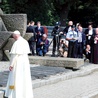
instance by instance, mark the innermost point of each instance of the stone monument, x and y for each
(15, 22)
(8, 24)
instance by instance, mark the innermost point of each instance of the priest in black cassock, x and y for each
(94, 47)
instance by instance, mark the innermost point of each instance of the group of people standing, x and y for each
(81, 42)
(39, 39)
(73, 41)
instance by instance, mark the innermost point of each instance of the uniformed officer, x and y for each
(72, 38)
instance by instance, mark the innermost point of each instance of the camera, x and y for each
(62, 41)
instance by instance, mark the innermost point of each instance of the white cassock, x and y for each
(19, 83)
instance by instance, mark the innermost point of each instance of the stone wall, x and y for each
(4, 36)
(2, 26)
(9, 44)
(15, 22)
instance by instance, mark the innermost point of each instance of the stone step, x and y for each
(74, 63)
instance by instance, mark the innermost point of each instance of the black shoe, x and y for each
(61, 56)
(44, 54)
(53, 55)
(85, 59)
(29, 54)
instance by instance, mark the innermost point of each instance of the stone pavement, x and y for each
(80, 87)
(58, 82)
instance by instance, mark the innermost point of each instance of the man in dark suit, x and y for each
(39, 30)
(89, 32)
(32, 40)
(39, 33)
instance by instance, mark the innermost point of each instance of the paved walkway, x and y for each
(58, 82)
(37, 72)
(80, 87)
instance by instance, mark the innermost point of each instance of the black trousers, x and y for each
(79, 50)
(72, 49)
(32, 47)
(56, 43)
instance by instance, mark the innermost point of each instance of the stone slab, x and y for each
(15, 22)
(2, 26)
(27, 36)
(9, 44)
(57, 61)
(4, 36)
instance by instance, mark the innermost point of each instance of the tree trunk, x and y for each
(64, 13)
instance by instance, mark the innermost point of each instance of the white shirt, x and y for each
(90, 33)
(79, 36)
(69, 29)
(72, 34)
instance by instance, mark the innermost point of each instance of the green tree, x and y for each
(37, 10)
(63, 8)
(50, 11)
(85, 12)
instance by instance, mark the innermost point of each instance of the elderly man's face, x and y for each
(70, 23)
(44, 38)
(16, 36)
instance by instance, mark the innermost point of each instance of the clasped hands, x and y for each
(10, 68)
(96, 38)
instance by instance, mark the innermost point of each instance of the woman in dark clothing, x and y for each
(94, 47)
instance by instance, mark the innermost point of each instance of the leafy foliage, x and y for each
(50, 11)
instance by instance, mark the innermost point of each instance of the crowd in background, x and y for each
(72, 41)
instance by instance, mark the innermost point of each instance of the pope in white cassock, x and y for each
(19, 83)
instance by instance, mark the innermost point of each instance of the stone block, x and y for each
(4, 36)
(2, 26)
(15, 22)
(57, 61)
(9, 44)
(27, 36)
